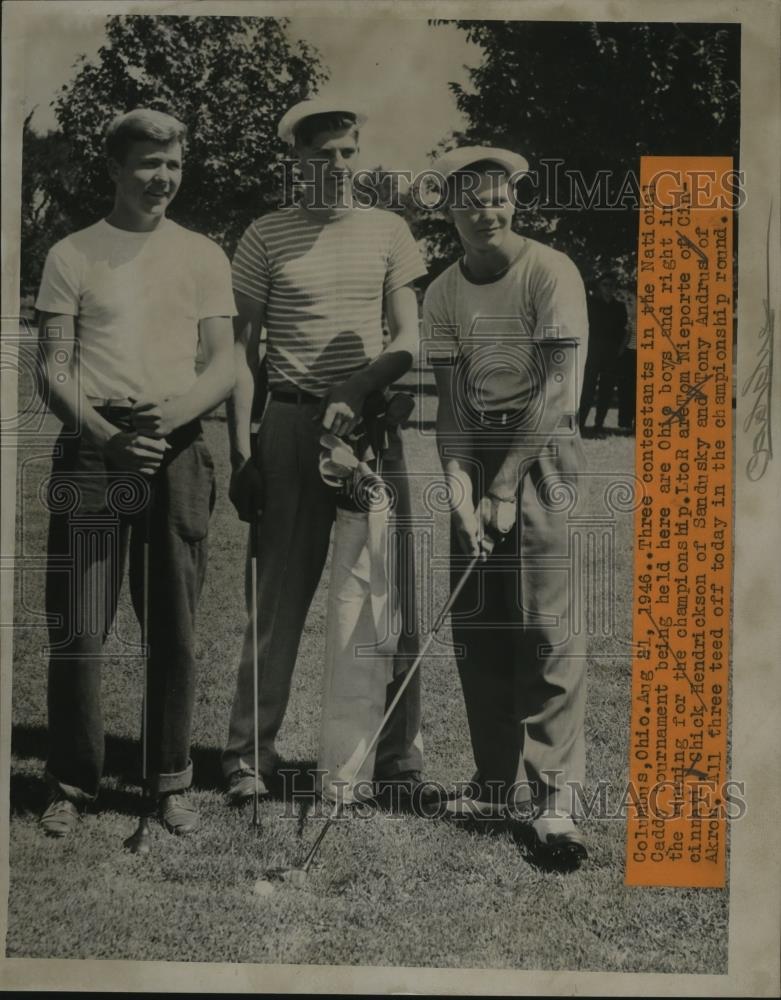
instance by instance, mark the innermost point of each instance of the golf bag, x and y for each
(363, 626)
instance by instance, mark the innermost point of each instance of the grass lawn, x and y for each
(388, 890)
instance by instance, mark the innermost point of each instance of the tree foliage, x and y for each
(229, 79)
(43, 220)
(595, 97)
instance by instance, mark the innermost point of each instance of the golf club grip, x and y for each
(413, 668)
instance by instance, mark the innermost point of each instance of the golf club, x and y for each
(338, 461)
(253, 547)
(331, 441)
(139, 842)
(298, 876)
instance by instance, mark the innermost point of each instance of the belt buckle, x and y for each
(485, 418)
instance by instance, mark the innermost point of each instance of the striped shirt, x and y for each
(322, 285)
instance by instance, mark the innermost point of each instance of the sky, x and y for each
(401, 67)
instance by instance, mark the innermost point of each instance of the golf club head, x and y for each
(345, 457)
(331, 472)
(140, 842)
(265, 885)
(331, 441)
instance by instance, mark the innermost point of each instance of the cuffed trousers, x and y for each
(98, 520)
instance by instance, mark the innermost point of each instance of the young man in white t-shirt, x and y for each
(318, 277)
(506, 330)
(124, 305)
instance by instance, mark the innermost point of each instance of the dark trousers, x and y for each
(600, 378)
(98, 525)
(627, 388)
(521, 655)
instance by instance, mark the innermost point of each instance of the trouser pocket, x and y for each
(190, 486)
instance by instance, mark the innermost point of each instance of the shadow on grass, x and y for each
(293, 781)
(29, 795)
(605, 432)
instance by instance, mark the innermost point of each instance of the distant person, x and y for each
(607, 324)
(510, 316)
(627, 364)
(138, 294)
(318, 276)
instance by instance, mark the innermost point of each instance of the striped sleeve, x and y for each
(405, 263)
(250, 269)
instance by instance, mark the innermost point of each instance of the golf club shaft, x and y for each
(145, 646)
(138, 842)
(410, 673)
(396, 699)
(253, 535)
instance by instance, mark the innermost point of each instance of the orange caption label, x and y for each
(677, 823)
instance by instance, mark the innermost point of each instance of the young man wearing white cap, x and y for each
(318, 277)
(124, 305)
(506, 329)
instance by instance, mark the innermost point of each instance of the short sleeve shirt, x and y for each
(491, 328)
(137, 299)
(321, 285)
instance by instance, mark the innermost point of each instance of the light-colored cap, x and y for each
(323, 105)
(460, 158)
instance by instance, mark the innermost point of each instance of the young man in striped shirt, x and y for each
(317, 276)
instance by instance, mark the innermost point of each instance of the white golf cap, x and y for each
(322, 105)
(460, 158)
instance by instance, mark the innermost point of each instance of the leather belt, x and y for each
(99, 402)
(294, 396)
(512, 418)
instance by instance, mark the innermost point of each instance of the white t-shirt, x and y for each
(495, 328)
(137, 299)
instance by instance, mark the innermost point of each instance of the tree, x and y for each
(43, 221)
(229, 79)
(596, 97)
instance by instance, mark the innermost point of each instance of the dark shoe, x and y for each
(177, 814)
(241, 786)
(559, 844)
(407, 792)
(60, 817)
